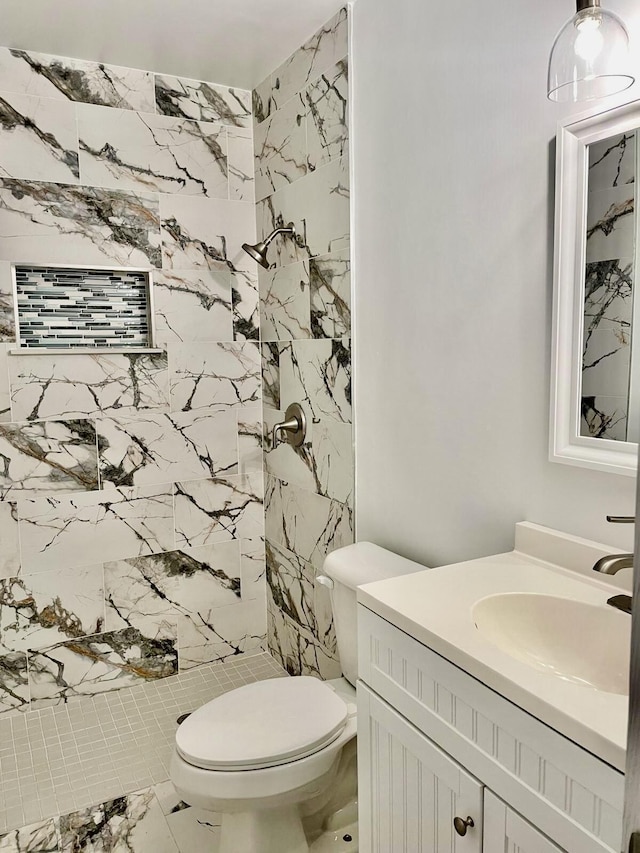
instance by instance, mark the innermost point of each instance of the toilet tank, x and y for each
(349, 568)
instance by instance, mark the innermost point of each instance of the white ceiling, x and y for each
(234, 42)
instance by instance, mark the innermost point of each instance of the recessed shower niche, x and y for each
(64, 308)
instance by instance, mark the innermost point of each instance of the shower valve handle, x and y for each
(294, 425)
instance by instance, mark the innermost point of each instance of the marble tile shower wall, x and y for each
(302, 176)
(131, 489)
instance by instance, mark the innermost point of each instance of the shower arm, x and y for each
(288, 230)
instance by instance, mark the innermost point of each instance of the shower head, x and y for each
(259, 251)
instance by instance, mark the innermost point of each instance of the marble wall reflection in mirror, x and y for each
(608, 345)
(595, 407)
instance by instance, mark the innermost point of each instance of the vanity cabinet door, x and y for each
(505, 830)
(410, 791)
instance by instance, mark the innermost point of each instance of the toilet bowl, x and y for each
(277, 758)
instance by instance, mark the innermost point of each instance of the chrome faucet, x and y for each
(611, 564)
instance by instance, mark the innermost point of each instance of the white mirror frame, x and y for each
(566, 443)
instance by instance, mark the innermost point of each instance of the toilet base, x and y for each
(267, 831)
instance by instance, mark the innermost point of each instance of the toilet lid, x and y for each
(262, 725)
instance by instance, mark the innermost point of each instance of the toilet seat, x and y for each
(262, 725)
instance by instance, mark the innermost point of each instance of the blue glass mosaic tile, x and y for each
(72, 308)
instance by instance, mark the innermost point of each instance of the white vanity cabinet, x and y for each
(435, 744)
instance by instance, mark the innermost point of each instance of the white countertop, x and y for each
(435, 607)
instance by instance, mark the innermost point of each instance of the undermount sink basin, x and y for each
(583, 643)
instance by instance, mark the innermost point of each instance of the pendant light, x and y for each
(590, 56)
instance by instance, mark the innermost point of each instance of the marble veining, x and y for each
(193, 305)
(214, 375)
(7, 319)
(115, 523)
(180, 97)
(161, 448)
(249, 439)
(317, 55)
(58, 223)
(612, 162)
(50, 457)
(246, 307)
(39, 610)
(327, 116)
(95, 664)
(39, 139)
(133, 151)
(301, 638)
(270, 362)
(9, 537)
(307, 524)
(41, 837)
(330, 295)
(76, 79)
(14, 681)
(317, 373)
(81, 385)
(285, 307)
(219, 509)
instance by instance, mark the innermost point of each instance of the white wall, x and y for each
(453, 224)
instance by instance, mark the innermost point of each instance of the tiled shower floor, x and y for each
(92, 775)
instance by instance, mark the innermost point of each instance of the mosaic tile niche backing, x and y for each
(61, 308)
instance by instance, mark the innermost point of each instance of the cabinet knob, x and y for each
(461, 825)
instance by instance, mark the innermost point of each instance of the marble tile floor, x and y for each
(92, 775)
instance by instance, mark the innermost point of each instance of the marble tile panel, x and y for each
(330, 295)
(604, 417)
(317, 55)
(241, 165)
(305, 523)
(7, 318)
(246, 306)
(327, 101)
(249, 439)
(219, 509)
(254, 570)
(323, 464)
(14, 681)
(76, 79)
(612, 162)
(138, 151)
(195, 829)
(193, 305)
(133, 822)
(40, 837)
(280, 145)
(39, 139)
(184, 98)
(47, 458)
(318, 205)
(262, 99)
(296, 649)
(317, 373)
(43, 609)
(215, 376)
(270, 361)
(300, 636)
(606, 364)
(108, 661)
(5, 387)
(9, 537)
(223, 633)
(173, 587)
(201, 232)
(610, 224)
(161, 448)
(62, 532)
(80, 385)
(285, 308)
(66, 224)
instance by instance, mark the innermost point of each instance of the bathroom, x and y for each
(157, 549)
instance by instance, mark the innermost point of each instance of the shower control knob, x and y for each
(461, 825)
(294, 426)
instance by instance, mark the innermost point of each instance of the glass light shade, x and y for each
(590, 57)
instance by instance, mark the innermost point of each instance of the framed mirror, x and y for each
(595, 401)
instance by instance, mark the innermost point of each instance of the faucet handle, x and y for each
(294, 425)
(621, 519)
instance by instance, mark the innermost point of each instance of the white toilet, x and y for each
(277, 757)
